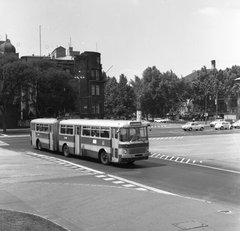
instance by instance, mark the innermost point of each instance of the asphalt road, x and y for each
(209, 171)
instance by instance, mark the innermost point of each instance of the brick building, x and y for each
(87, 69)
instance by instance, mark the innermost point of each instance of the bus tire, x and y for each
(39, 145)
(66, 151)
(103, 156)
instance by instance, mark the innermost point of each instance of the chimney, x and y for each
(213, 62)
(70, 51)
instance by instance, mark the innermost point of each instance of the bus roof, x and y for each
(103, 123)
(45, 120)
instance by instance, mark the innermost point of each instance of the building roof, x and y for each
(7, 47)
(191, 76)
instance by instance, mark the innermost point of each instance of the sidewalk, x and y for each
(81, 199)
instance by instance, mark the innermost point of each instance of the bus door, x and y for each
(115, 140)
(33, 133)
(51, 138)
(78, 150)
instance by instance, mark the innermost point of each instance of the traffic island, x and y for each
(15, 221)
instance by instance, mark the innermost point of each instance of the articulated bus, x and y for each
(118, 141)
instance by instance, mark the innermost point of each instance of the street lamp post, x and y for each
(206, 113)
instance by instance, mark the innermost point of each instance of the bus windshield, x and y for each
(133, 134)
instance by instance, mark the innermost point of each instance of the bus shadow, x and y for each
(142, 164)
(138, 165)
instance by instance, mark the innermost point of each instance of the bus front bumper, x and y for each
(131, 158)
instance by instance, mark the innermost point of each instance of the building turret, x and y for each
(7, 47)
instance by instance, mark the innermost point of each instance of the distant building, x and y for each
(6, 47)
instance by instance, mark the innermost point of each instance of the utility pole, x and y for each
(215, 83)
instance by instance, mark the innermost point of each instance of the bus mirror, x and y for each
(118, 131)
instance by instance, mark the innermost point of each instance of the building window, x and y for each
(97, 75)
(96, 108)
(93, 89)
(93, 108)
(93, 74)
(97, 90)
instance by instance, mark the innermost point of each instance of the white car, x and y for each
(236, 124)
(158, 120)
(189, 126)
(223, 125)
(213, 123)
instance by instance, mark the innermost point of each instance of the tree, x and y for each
(52, 92)
(12, 72)
(126, 98)
(119, 98)
(111, 96)
(151, 99)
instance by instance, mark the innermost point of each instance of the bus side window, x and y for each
(86, 131)
(95, 131)
(70, 130)
(62, 129)
(104, 132)
(45, 128)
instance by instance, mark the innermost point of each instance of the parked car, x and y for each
(223, 125)
(158, 120)
(166, 120)
(213, 123)
(236, 124)
(189, 126)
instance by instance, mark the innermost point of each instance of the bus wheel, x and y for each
(39, 145)
(104, 158)
(66, 151)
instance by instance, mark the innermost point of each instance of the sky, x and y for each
(131, 35)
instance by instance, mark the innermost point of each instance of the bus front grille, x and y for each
(137, 150)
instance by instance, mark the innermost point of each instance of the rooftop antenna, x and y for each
(40, 40)
(109, 69)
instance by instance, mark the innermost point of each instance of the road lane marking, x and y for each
(116, 180)
(3, 143)
(199, 163)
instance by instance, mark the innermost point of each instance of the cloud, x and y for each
(208, 11)
(135, 2)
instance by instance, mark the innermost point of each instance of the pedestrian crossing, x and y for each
(167, 138)
(175, 158)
